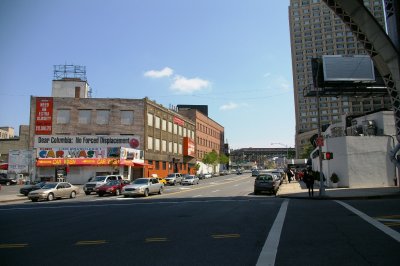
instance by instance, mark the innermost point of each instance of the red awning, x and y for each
(4, 166)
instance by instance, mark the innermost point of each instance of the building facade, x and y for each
(209, 134)
(315, 31)
(77, 138)
(10, 142)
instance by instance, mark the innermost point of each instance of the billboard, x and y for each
(44, 116)
(357, 68)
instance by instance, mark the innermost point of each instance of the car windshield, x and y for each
(141, 181)
(49, 185)
(112, 183)
(189, 177)
(171, 175)
(264, 178)
(99, 178)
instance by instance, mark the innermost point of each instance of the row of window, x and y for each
(157, 122)
(164, 146)
(209, 131)
(162, 165)
(99, 117)
(208, 143)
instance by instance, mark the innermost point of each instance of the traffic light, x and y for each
(328, 155)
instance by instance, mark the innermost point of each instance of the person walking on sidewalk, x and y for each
(308, 178)
(290, 174)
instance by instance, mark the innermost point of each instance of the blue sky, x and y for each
(231, 55)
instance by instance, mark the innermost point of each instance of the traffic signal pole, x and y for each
(321, 175)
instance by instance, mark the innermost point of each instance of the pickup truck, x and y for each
(173, 179)
(98, 181)
(143, 186)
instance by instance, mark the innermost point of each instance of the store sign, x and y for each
(127, 154)
(188, 147)
(86, 141)
(179, 121)
(20, 161)
(44, 116)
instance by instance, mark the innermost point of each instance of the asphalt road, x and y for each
(218, 222)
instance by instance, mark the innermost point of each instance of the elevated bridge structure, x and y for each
(382, 50)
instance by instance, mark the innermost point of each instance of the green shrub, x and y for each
(334, 178)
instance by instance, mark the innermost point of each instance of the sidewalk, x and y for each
(298, 190)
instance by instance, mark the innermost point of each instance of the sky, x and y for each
(231, 55)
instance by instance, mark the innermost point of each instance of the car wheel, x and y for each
(117, 192)
(34, 200)
(50, 197)
(73, 195)
(255, 192)
(87, 193)
(174, 183)
(146, 193)
(160, 191)
(101, 194)
(8, 183)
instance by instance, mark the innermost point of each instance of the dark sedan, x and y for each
(28, 188)
(266, 182)
(4, 180)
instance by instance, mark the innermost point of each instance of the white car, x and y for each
(143, 186)
(190, 180)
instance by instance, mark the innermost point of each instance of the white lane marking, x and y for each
(215, 191)
(236, 185)
(389, 231)
(270, 248)
(197, 196)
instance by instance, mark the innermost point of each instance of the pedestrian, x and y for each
(290, 174)
(308, 178)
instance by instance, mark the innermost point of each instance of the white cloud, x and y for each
(165, 72)
(229, 106)
(267, 74)
(186, 85)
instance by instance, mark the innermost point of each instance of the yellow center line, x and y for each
(90, 242)
(226, 236)
(156, 239)
(13, 245)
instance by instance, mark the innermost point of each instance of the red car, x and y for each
(112, 187)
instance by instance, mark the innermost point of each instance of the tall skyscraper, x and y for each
(316, 31)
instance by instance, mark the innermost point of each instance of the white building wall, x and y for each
(62, 88)
(359, 161)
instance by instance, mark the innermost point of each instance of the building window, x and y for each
(180, 149)
(149, 143)
(102, 117)
(170, 147)
(149, 119)
(175, 147)
(63, 116)
(164, 165)
(157, 144)
(127, 117)
(170, 127)
(164, 125)
(175, 129)
(157, 165)
(157, 125)
(180, 130)
(84, 116)
(164, 145)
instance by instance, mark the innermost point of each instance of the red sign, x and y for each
(44, 116)
(179, 121)
(320, 141)
(188, 147)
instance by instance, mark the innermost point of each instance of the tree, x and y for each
(211, 158)
(307, 149)
(223, 159)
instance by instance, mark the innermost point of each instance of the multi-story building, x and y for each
(11, 142)
(209, 134)
(93, 136)
(315, 31)
(6, 132)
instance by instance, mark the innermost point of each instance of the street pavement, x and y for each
(294, 189)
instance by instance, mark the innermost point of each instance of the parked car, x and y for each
(53, 190)
(238, 172)
(190, 180)
(143, 186)
(98, 181)
(266, 182)
(28, 188)
(254, 172)
(207, 175)
(173, 179)
(5, 180)
(113, 187)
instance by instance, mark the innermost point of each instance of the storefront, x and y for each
(78, 158)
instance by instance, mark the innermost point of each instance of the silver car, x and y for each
(143, 186)
(190, 180)
(53, 190)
